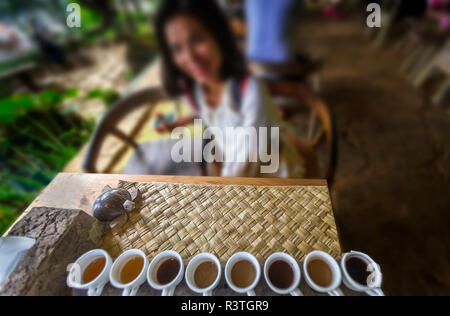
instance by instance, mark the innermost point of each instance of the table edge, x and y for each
(206, 180)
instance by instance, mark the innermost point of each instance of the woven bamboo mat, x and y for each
(223, 220)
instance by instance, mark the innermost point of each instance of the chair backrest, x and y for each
(327, 130)
(442, 60)
(109, 125)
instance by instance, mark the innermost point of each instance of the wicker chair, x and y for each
(316, 133)
(440, 63)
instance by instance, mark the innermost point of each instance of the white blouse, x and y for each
(256, 110)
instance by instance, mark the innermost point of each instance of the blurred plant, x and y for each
(18, 106)
(37, 140)
(91, 19)
(108, 96)
(101, 13)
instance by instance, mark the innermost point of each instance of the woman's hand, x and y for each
(166, 127)
(163, 127)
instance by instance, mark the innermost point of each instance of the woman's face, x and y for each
(194, 50)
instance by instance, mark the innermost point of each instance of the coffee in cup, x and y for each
(90, 272)
(242, 273)
(93, 270)
(283, 274)
(361, 273)
(358, 270)
(322, 273)
(203, 273)
(129, 271)
(132, 269)
(165, 272)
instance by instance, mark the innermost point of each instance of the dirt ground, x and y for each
(391, 194)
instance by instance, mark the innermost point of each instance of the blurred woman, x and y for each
(203, 66)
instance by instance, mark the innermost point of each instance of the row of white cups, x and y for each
(111, 273)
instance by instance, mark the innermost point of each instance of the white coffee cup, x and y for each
(333, 289)
(293, 289)
(129, 289)
(167, 289)
(375, 280)
(192, 268)
(76, 271)
(242, 256)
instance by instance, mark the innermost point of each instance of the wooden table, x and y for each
(79, 191)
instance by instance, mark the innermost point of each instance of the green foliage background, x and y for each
(37, 139)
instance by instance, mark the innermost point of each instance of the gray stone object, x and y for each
(62, 236)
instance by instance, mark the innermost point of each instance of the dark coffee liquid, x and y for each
(357, 269)
(281, 274)
(168, 271)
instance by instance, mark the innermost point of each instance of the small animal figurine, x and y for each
(114, 205)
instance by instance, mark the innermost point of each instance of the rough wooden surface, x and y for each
(61, 237)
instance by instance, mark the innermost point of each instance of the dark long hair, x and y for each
(212, 17)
